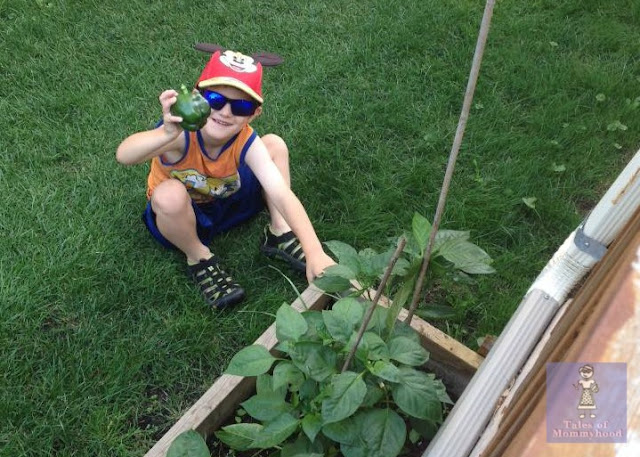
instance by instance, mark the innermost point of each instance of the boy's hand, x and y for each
(317, 264)
(171, 122)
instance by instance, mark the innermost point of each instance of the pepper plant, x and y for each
(309, 402)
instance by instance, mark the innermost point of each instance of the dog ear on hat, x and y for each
(267, 59)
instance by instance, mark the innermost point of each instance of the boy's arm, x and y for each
(143, 146)
(276, 189)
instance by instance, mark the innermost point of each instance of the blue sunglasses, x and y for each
(239, 107)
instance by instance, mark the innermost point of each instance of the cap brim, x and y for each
(226, 81)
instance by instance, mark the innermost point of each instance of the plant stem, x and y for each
(455, 148)
(372, 308)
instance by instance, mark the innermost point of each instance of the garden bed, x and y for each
(450, 360)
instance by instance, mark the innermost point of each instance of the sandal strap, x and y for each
(289, 243)
(214, 283)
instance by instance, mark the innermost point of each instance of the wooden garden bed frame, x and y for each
(450, 360)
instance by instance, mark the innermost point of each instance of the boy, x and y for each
(202, 183)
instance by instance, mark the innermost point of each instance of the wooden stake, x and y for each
(453, 156)
(372, 308)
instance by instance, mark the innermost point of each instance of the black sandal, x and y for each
(217, 287)
(286, 247)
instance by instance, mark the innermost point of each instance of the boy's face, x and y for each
(222, 123)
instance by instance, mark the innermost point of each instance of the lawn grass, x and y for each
(104, 341)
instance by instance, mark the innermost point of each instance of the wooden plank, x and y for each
(223, 397)
(487, 343)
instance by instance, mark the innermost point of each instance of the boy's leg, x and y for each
(279, 241)
(176, 220)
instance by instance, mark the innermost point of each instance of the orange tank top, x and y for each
(205, 178)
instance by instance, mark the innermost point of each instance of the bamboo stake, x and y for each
(372, 308)
(453, 156)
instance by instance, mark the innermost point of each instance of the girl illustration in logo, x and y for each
(589, 388)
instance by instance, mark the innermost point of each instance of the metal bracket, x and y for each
(589, 245)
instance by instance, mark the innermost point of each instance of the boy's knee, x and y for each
(170, 197)
(275, 145)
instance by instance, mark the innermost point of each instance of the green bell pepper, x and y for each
(192, 107)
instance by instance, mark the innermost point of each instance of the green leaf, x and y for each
(411, 247)
(421, 229)
(371, 347)
(404, 329)
(427, 429)
(253, 360)
(558, 168)
(290, 325)
(339, 328)
(380, 262)
(530, 202)
(372, 264)
(284, 346)
(466, 256)
(311, 425)
(302, 447)
(399, 300)
(348, 391)
(386, 370)
(314, 359)
(188, 444)
(616, 125)
(276, 432)
(441, 390)
(346, 255)
(350, 309)
(264, 386)
(266, 407)
(286, 373)
(332, 284)
(374, 394)
(436, 312)
(376, 348)
(378, 320)
(308, 390)
(239, 436)
(345, 431)
(315, 324)
(417, 395)
(341, 271)
(445, 235)
(356, 450)
(407, 351)
(383, 432)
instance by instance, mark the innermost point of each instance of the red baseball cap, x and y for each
(233, 69)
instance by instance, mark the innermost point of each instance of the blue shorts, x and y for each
(220, 215)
